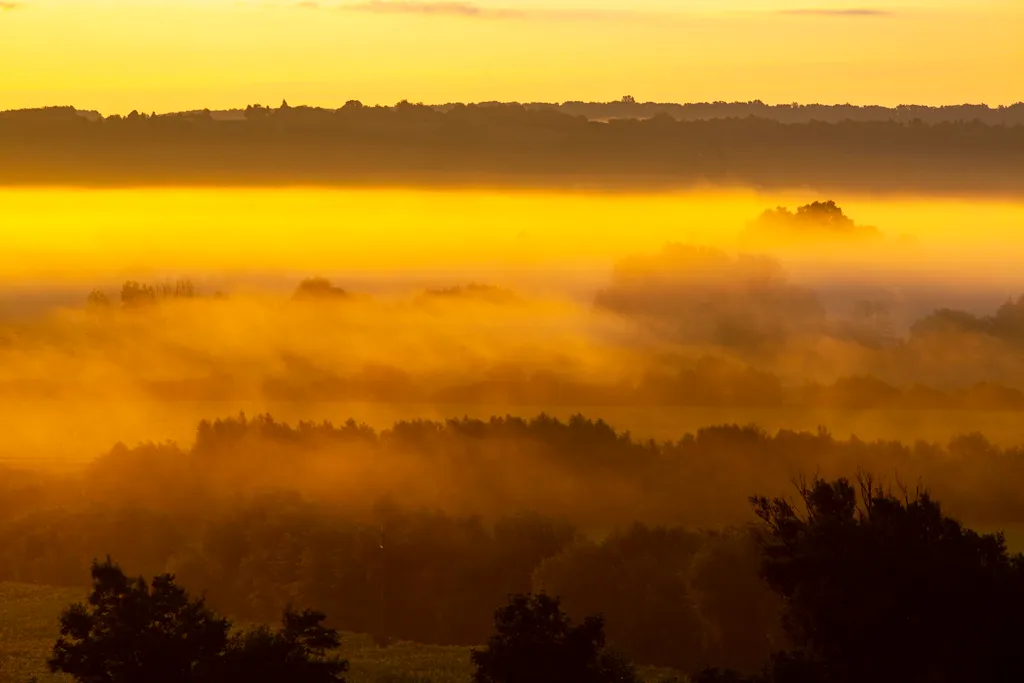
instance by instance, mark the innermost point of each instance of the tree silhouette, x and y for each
(535, 642)
(318, 288)
(825, 213)
(814, 220)
(890, 589)
(134, 294)
(298, 651)
(131, 631)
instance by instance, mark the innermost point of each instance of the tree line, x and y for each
(579, 469)
(505, 144)
(868, 582)
(629, 108)
(415, 533)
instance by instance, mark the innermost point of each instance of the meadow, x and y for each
(28, 628)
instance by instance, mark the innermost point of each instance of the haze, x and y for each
(157, 55)
(105, 236)
(464, 322)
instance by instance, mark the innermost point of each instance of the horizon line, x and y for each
(533, 103)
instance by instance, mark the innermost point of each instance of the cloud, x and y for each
(7, 5)
(474, 11)
(461, 9)
(848, 12)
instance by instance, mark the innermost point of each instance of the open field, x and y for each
(28, 627)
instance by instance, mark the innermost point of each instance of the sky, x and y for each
(172, 55)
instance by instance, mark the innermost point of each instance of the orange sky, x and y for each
(162, 55)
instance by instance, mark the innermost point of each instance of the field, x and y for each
(28, 628)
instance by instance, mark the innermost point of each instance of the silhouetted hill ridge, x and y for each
(507, 145)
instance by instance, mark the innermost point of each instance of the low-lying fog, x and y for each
(661, 313)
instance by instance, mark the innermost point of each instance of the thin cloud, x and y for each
(460, 9)
(473, 11)
(849, 12)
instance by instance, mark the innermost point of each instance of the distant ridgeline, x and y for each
(629, 144)
(629, 108)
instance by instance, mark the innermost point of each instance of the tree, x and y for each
(97, 299)
(740, 614)
(889, 589)
(134, 294)
(131, 631)
(318, 288)
(636, 579)
(814, 221)
(298, 651)
(535, 642)
(826, 214)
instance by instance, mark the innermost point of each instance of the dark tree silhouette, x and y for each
(134, 294)
(298, 651)
(131, 631)
(318, 288)
(535, 642)
(810, 221)
(888, 589)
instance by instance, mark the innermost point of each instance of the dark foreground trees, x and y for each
(873, 587)
(888, 589)
(131, 631)
(535, 642)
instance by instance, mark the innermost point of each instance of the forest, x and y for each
(511, 341)
(629, 108)
(456, 465)
(512, 144)
(659, 540)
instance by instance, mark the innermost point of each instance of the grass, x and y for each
(28, 629)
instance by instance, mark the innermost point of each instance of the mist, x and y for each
(511, 302)
(565, 391)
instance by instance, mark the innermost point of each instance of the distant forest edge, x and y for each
(622, 144)
(629, 108)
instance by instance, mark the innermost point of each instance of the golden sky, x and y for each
(166, 55)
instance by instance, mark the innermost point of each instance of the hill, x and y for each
(510, 145)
